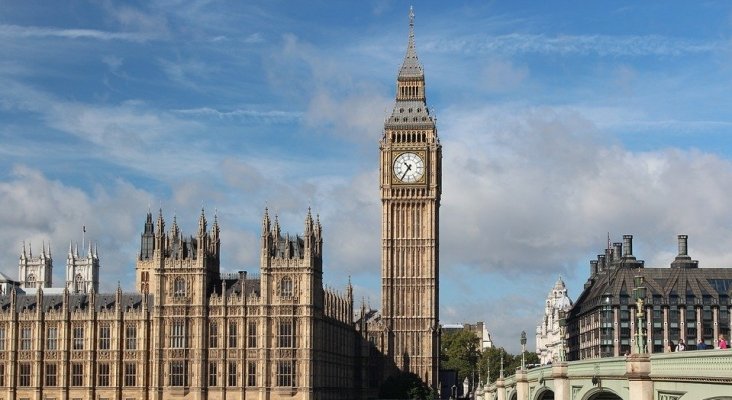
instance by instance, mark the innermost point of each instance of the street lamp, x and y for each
(523, 350)
(562, 335)
(640, 294)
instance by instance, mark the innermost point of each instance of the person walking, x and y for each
(721, 343)
(700, 345)
(681, 346)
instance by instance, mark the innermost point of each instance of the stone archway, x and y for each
(513, 396)
(544, 394)
(603, 395)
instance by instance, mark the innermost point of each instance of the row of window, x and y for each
(25, 339)
(178, 374)
(178, 335)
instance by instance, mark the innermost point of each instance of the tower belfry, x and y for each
(410, 182)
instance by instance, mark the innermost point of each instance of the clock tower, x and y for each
(410, 180)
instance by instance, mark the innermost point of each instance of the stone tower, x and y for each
(35, 272)
(410, 180)
(82, 272)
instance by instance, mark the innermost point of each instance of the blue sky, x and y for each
(560, 123)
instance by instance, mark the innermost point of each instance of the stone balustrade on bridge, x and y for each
(693, 375)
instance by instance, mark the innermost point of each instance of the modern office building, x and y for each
(682, 301)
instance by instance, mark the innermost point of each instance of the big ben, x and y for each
(410, 180)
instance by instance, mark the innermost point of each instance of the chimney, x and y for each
(627, 245)
(617, 251)
(683, 249)
(683, 260)
(593, 267)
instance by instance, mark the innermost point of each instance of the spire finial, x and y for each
(411, 19)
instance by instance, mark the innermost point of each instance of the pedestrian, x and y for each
(700, 345)
(721, 343)
(681, 346)
(671, 346)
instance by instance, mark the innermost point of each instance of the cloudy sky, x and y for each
(560, 124)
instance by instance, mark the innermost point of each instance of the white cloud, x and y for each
(503, 75)
(43, 210)
(16, 31)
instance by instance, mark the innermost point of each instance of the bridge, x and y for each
(688, 375)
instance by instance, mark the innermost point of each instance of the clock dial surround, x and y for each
(408, 167)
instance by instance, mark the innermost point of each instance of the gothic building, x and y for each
(189, 330)
(683, 301)
(548, 334)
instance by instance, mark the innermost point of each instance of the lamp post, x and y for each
(523, 350)
(640, 294)
(562, 334)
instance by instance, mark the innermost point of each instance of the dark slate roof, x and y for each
(665, 286)
(233, 286)
(76, 301)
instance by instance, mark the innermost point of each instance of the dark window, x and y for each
(232, 374)
(130, 374)
(178, 373)
(50, 379)
(103, 374)
(77, 374)
(24, 374)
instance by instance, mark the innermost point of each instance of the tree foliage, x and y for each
(405, 385)
(459, 351)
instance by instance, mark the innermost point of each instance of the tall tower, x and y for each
(410, 179)
(35, 272)
(82, 273)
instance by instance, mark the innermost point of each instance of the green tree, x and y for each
(459, 351)
(405, 385)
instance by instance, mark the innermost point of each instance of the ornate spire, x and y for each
(265, 222)
(202, 223)
(411, 68)
(161, 223)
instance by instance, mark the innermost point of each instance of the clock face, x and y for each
(408, 167)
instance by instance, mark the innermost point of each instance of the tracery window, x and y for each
(30, 281)
(252, 335)
(130, 374)
(78, 338)
(52, 338)
(131, 337)
(50, 379)
(286, 373)
(178, 373)
(232, 374)
(104, 337)
(179, 287)
(285, 334)
(286, 287)
(103, 374)
(251, 373)
(178, 334)
(213, 336)
(25, 338)
(232, 334)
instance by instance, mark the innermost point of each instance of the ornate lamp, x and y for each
(523, 350)
(640, 295)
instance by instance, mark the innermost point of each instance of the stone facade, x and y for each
(548, 336)
(189, 331)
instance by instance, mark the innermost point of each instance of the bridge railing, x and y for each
(685, 365)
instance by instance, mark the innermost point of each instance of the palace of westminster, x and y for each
(189, 331)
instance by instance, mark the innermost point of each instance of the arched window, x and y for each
(79, 282)
(179, 287)
(286, 287)
(30, 281)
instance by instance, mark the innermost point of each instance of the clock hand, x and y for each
(404, 174)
